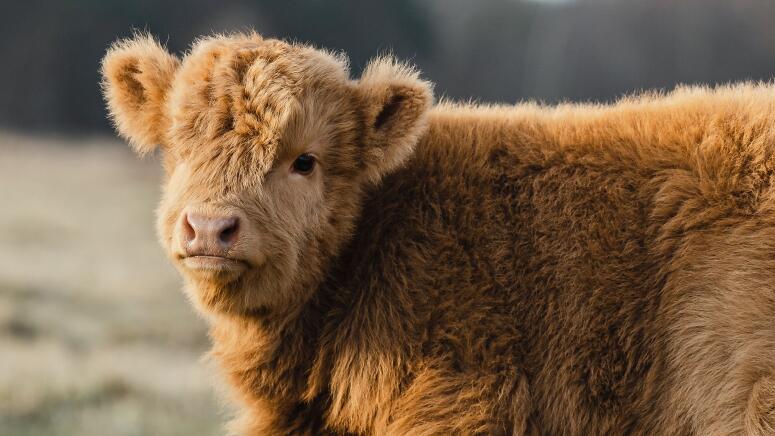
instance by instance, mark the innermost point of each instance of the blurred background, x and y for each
(95, 336)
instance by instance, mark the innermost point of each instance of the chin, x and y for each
(234, 290)
(215, 285)
(239, 285)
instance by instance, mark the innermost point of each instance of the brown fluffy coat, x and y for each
(579, 269)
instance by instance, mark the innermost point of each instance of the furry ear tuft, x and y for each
(136, 75)
(396, 102)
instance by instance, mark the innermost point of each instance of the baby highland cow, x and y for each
(372, 263)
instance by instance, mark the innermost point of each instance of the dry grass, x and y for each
(95, 336)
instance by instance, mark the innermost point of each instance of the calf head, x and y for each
(268, 148)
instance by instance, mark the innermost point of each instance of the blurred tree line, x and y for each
(487, 50)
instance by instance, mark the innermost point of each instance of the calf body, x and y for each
(514, 270)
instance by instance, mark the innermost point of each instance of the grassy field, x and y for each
(95, 336)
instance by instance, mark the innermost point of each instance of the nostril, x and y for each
(229, 231)
(189, 232)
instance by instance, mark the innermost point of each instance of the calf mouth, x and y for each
(213, 264)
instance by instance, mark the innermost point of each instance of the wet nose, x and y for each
(208, 235)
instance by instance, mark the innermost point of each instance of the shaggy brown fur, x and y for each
(466, 269)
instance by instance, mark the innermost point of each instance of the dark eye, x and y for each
(304, 164)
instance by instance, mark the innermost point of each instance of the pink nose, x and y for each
(207, 235)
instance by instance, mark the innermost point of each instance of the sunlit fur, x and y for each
(463, 269)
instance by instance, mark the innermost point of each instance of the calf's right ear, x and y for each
(136, 76)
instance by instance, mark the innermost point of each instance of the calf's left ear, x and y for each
(396, 102)
(136, 76)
